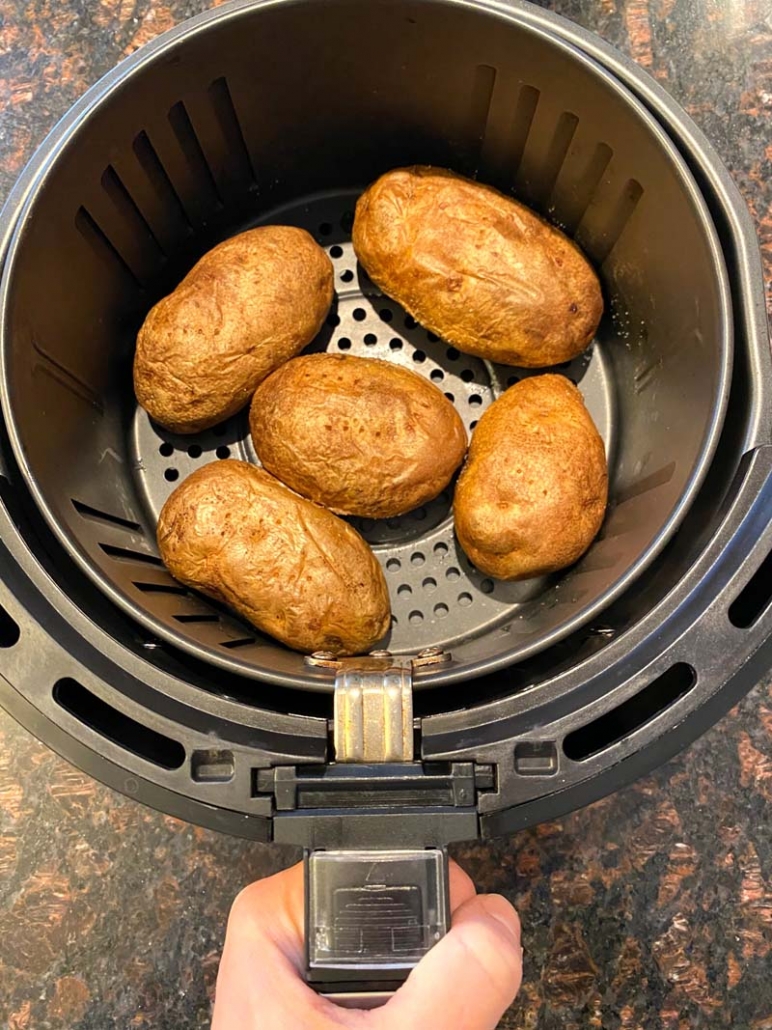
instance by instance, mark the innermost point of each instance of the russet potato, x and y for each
(288, 566)
(477, 268)
(359, 435)
(249, 305)
(532, 495)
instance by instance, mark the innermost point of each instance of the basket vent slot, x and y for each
(197, 617)
(632, 714)
(96, 238)
(126, 554)
(556, 155)
(162, 588)
(230, 126)
(522, 120)
(479, 108)
(104, 516)
(156, 174)
(752, 601)
(127, 208)
(584, 188)
(9, 630)
(190, 145)
(242, 642)
(116, 726)
(622, 211)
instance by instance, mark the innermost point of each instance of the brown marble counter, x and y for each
(651, 909)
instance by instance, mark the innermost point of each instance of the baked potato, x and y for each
(291, 568)
(477, 268)
(249, 305)
(532, 495)
(361, 436)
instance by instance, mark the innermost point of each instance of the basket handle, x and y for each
(370, 916)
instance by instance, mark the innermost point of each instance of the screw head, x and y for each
(430, 652)
(380, 654)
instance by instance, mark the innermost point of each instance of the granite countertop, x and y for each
(651, 909)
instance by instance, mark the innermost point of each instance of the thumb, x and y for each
(469, 979)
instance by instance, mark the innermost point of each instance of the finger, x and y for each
(272, 908)
(462, 887)
(469, 979)
(259, 983)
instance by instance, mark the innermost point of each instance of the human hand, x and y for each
(466, 982)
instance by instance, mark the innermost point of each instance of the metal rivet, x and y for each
(430, 652)
(380, 654)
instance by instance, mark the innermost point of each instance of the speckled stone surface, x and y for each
(651, 909)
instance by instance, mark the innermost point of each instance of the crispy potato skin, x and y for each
(291, 568)
(249, 305)
(361, 436)
(532, 495)
(477, 268)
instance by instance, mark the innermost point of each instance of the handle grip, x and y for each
(370, 918)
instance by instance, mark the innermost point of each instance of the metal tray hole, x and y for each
(632, 714)
(118, 727)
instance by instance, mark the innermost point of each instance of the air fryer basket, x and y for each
(267, 115)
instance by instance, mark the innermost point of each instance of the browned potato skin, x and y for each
(361, 436)
(533, 493)
(249, 305)
(477, 268)
(291, 568)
